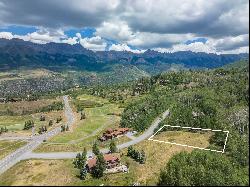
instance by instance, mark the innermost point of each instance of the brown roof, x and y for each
(109, 130)
(91, 162)
(116, 133)
(123, 129)
(107, 158)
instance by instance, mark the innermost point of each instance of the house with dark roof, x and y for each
(112, 161)
(113, 133)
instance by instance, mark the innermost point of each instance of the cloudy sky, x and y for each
(214, 26)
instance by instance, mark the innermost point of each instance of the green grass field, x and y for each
(16, 123)
(85, 132)
(92, 98)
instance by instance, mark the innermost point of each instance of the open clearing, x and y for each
(187, 138)
(61, 172)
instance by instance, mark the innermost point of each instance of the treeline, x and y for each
(140, 114)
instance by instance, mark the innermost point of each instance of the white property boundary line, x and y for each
(223, 150)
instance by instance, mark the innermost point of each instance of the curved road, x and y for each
(67, 155)
(25, 152)
(35, 141)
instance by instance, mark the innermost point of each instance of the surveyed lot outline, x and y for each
(173, 143)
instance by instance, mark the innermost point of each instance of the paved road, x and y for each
(67, 155)
(26, 150)
(15, 138)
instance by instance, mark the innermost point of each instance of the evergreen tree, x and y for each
(100, 166)
(112, 147)
(50, 122)
(80, 163)
(83, 173)
(130, 150)
(67, 128)
(95, 149)
(83, 115)
(143, 157)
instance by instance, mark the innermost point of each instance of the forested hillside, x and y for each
(216, 99)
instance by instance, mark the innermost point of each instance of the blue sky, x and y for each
(19, 30)
(219, 26)
(85, 32)
(202, 40)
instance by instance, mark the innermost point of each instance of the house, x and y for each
(112, 161)
(113, 133)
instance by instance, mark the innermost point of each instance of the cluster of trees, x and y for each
(140, 114)
(138, 156)
(42, 129)
(58, 119)
(28, 125)
(200, 168)
(34, 87)
(42, 118)
(3, 130)
(64, 128)
(80, 163)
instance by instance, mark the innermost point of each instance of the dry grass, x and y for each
(39, 172)
(22, 107)
(7, 147)
(158, 154)
(186, 138)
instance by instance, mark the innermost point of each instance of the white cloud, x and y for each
(124, 47)
(71, 41)
(231, 43)
(236, 51)
(227, 45)
(42, 36)
(114, 30)
(95, 43)
(151, 40)
(195, 47)
(78, 35)
(6, 35)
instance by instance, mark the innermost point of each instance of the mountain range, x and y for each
(16, 53)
